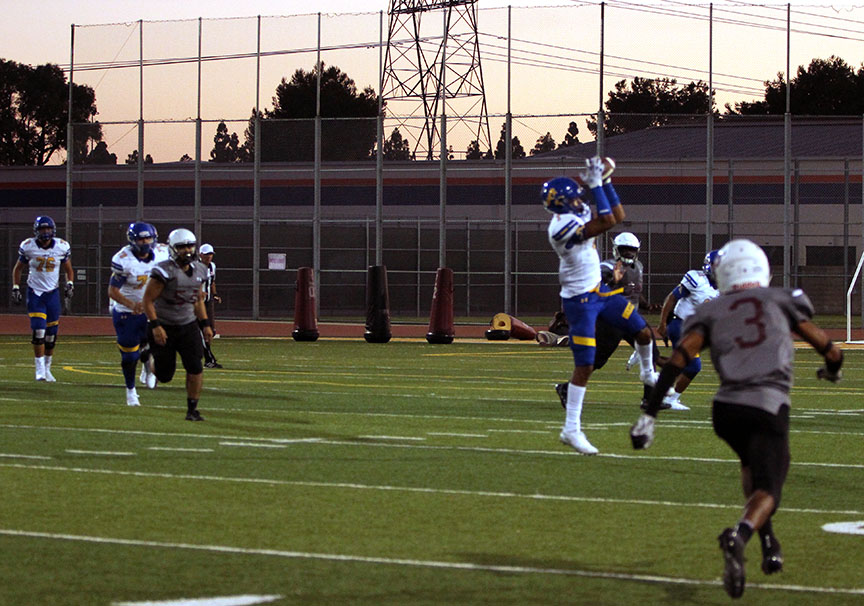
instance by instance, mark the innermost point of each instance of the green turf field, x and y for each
(344, 472)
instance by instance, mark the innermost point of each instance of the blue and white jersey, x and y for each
(130, 273)
(694, 289)
(579, 265)
(44, 263)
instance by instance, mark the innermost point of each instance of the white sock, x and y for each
(48, 362)
(645, 353)
(575, 397)
(40, 366)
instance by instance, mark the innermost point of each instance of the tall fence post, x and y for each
(70, 137)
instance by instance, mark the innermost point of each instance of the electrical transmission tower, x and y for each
(433, 66)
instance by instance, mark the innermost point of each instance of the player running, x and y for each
(131, 267)
(696, 287)
(748, 328)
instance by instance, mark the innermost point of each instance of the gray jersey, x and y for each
(176, 304)
(631, 282)
(751, 345)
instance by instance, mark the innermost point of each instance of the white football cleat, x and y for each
(642, 432)
(578, 441)
(40, 377)
(148, 377)
(633, 361)
(132, 397)
(49, 377)
(648, 376)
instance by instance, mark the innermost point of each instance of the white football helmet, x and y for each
(182, 237)
(625, 247)
(741, 264)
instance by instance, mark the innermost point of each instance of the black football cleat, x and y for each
(772, 557)
(213, 364)
(733, 557)
(643, 405)
(561, 390)
(194, 416)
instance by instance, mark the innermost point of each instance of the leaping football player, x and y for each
(584, 297)
(44, 255)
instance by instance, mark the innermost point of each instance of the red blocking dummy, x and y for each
(441, 329)
(305, 321)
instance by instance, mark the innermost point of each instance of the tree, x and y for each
(501, 148)
(100, 155)
(396, 148)
(473, 152)
(227, 148)
(186, 158)
(572, 136)
(288, 130)
(544, 144)
(34, 112)
(648, 102)
(827, 87)
(132, 158)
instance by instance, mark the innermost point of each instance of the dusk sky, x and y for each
(555, 52)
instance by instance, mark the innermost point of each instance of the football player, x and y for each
(749, 330)
(623, 271)
(206, 253)
(131, 267)
(584, 297)
(696, 287)
(174, 304)
(44, 255)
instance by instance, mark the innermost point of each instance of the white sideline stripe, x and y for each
(416, 439)
(230, 600)
(101, 452)
(169, 449)
(457, 435)
(7, 455)
(470, 566)
(417, 490)
(251, 445)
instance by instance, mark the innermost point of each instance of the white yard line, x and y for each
(168, 449)
(416, 563)
(107, 453)
(414, 489)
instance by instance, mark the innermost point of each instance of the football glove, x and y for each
(831, 371)
(592, 176)
(17, 297)
(608, 169)
(69, 290)
(828, 375)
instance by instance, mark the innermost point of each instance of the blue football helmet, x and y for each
(42, 222)
(562, 195)
(708, 266)
(141, 231)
